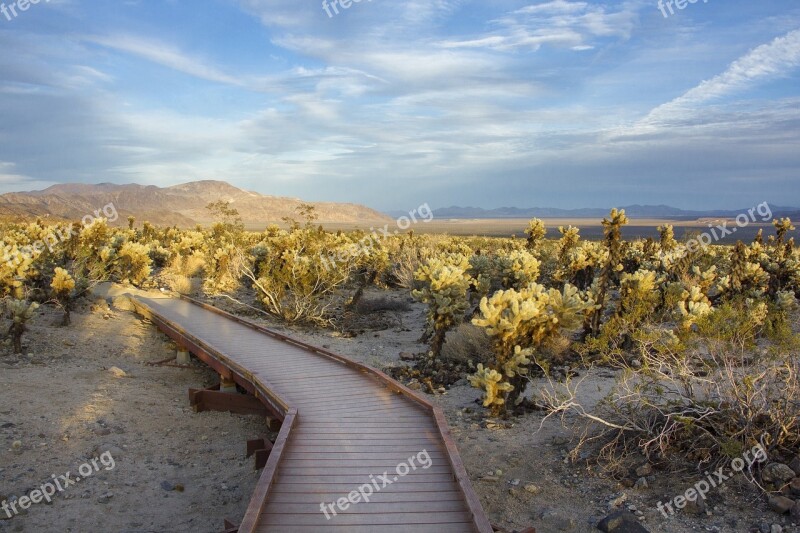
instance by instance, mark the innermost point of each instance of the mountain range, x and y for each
(634, 211)
(181, 205)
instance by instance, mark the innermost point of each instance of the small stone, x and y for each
(781, 504)
(776, 528)
(794, 464)
(644, 470)
(105, 498)
(533, 489)
(513, 482)
(618, 501)
(167, 486)
(777, 473)
(621, 522)
(415, 385)
(407, 356)
(641, 483)
(118, 372)
(179, 487)
(696, 507)
(794, 486)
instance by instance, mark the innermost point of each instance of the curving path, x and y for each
(349, 433)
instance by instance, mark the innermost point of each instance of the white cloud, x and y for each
(763, 63)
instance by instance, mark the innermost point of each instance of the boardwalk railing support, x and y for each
(183, 357)
(259, 448)
(214, 399)
(227, 385)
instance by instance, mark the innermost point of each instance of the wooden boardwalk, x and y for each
(345, 427)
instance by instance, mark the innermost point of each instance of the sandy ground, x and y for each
(64, 406)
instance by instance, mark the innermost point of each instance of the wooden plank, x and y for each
(364, 508)
(278, 496)
(374, 520)
(345, 488)
(462, 527)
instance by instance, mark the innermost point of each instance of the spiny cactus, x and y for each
(20, 312)
(520, 322)
(63, 290)
(535, 231)
(612, 230)
(446, 282)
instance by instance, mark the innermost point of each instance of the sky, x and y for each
(395, 104)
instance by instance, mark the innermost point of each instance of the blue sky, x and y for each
(394, 104)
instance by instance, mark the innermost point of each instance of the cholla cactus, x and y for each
(612, 229)
(133, 263)
(535, 231)
(16, 267)
(446, 282)
(491, 382)
(20, 312)
(518, 268)
(693, 306)
(63, 290)
(667, 240)
(519, 322)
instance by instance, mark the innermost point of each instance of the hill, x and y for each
(183, 205)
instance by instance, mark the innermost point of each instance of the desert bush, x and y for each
(20, 312)
(64, 290)
(707, 407)
(445, 283)
(519, 323)
(467, 345)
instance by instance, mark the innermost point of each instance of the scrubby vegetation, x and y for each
(701, 336)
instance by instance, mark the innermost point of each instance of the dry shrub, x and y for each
(180, 284)
(467, 343)
(705, 407)
(381, 303)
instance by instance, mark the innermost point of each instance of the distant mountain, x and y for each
(182, 205)
(634, 211)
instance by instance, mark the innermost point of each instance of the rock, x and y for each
(794, 486)
(407, 356)
(415, 385)
(123, 303)
(696, 507)
(795, 511)
(105, 498)
(167, 486)
(781, 504)
(618, 501)
(776, 528)
(621, 522)
(644, 470)
(794, 464)
(118, 372)
(533, 489)
(513, 482)
(777, 473)
(641, 483)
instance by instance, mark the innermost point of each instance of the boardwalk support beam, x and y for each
(215, 400)
(259, 448)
